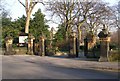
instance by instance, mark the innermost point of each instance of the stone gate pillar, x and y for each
(8, 44)
(72, 45)
(35, 47)
(89, 43)
(30, 44)
(42, 46)
(104, 37)
(85, 47)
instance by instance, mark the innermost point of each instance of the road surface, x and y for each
(36, 67)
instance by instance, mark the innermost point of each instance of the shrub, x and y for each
(63, 46)
(50, 52)
(114, 56)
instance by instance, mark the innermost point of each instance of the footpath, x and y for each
(86, 63)
(112, 66)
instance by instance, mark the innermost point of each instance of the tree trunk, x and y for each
(79, 35)
(119, 38)
(27, 23)
(79, 38)
(66, 36)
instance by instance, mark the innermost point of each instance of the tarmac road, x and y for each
(36, 67)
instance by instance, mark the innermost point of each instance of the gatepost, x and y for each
(35, 47)
(72, 45)
(104, 37)
(89, 43)
(42, 46)
(30, 44)
(8, 44)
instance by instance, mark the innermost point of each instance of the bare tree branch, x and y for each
(22, 3)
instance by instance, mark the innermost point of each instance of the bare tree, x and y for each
(82, 15)
(114, 37)
(90, 16)
(118, 23)
(116, 19)
(99, 15)
(77, 13)
(29, 6)
(65, 11)
(116, 16)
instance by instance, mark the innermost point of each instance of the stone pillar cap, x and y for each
(8, 38)
(73, 34)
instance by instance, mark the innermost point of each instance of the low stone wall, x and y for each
(20, 50)
(0, 51)
(114, 56)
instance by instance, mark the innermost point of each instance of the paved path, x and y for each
(36, 67)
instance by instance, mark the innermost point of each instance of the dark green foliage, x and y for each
(113, 46)
(94, 52)
(15, 28)
(64, 46)
(12, 28)
(60, 39)
(60, 35)
(20, 24)
(38, 26)
(81, 48)
(114, 56)
(6, 28)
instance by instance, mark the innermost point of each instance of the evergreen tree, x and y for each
(20, 23)
(60, 35)
(60, 38)
(38, 26)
